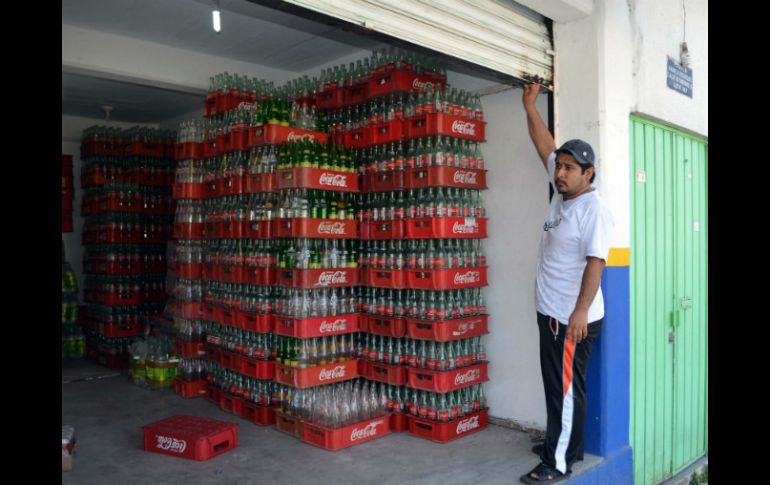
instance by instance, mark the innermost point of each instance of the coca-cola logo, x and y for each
(417, 84)
(328, 374)
(333, 180)
(331, 228)
(467, 377)
(464, 127)
(365, 432)
(462, 177)
(468, 424)
(295, 137)
(335, 326)
(465, 327)
(171, 444)
(460, 228)
(467, 278)
(332, 278)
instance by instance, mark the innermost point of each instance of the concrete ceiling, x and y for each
(250, 33)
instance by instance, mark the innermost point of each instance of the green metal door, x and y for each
(669, 300)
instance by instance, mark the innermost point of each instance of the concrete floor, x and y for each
(108, 412)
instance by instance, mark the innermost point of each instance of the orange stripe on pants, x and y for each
(569, 352)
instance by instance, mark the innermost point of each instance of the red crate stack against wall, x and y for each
(126, 182)
(67, 193)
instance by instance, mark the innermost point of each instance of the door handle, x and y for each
(685, 303)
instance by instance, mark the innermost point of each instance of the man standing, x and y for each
(570, 308)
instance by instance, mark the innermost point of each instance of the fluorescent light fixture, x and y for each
(215, 18)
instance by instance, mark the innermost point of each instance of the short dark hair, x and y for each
(584, 167)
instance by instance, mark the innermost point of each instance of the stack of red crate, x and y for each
(67, 193)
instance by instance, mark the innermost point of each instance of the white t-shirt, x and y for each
(573, 230)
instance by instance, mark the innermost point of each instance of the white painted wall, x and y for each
(517, 201)
(71, 132)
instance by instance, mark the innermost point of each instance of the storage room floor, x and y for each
(108, 412)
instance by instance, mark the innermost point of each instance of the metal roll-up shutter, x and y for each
(490, 33)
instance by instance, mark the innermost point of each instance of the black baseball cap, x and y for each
(582, 151)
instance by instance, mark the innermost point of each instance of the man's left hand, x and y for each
(577, 329)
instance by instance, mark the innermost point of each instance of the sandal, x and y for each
(544, 474)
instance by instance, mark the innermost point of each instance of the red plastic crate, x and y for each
(259, 369)
(434, 124)
(259, 275)
(230, 360)
(318, 278)
(263, 415)
(316, 178)
(398, 422)
(108, 360)
(260, 182)
(446, 227)
(190, 389)
(190, 437)
(441, 432)
(188, 150)
(316, 228)
(189, 271)
(469, 178)
(337, 439)
(397, 81)
(386, 278)
(289, 424)
(316, 376)
(184, 230)
(276, 134)
(356, 138)
(254, 322)
(212, 393)
(355, 94)
(189, 350)
(111, 330)
(386, 230)
(446, 279)
(388, 132)
(445, 381)
(395, 375)
(330, 98)
(387, 326)
(189, 310)
(317, 327)
(387, 181)
(446, 330)
(254, 230)
(230, 403)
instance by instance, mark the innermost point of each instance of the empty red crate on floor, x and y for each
(447, 279)
(449, 380)
(446, 330)
(190, 389)
(387, 326)
(395, 375)
(259, 369)
(300, 227)
(441, 432)
(446, 227)
(316, 178)
(318, 326)
(434, 124)
(386, 278)
(336, 439)
(289, 424)
(264, 415)
(468, 178)
(191, 437)
(315, 376)
(318, 278)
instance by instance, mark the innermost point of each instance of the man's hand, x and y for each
(530, 94)
(577, 329)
